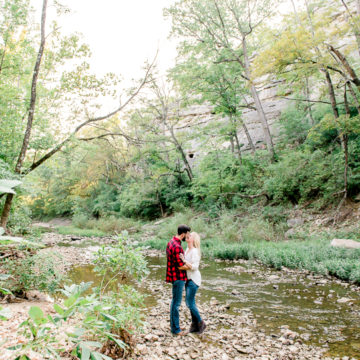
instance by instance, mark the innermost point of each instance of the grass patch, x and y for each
(314, 255)
(73, 230)
(260, 237)
(108, 225)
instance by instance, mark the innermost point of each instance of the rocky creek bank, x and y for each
(228, 336)
(235, 330)
(238, 320)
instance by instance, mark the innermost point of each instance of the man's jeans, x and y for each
(191, 289)
(177, 292)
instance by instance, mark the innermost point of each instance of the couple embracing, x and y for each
(183, 271)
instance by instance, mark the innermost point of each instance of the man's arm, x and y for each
(181, 264)
(185, 267)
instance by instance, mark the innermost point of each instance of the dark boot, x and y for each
(201, 326)
(194, 327)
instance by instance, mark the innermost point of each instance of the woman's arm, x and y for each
(195, 260)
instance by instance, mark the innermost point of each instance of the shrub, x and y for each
(294, 125)
(258, 230)
(104, 319)
(106, 225)
(229, 227)
(20, 219)
(33, 272)
(80, 220)
(300, 176)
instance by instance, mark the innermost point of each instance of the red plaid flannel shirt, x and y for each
(173, 251)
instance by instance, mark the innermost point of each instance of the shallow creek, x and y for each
(324, 312)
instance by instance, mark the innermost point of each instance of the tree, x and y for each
(45, 105)
(160, 123)
(222, 86)
(221, 31)
(307, 46)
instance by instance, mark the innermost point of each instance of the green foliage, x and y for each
(258, 230)
(344, 125)
(294, 126)
(220, 177)
(33, 272)
(315, 256)
(110, 225)
(119, 260)
(20, 221)
(6, 186)
(139, 199)
(105, 317)
(39, 331)
(72, 230)
(300, 176)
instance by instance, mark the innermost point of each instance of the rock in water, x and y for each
(295, 222)
(346, 243)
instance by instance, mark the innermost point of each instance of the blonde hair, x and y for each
(196, 238)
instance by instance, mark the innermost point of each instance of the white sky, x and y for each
(121, 34)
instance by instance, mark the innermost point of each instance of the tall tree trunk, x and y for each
(257, 101)
(348, 68)
(249, 139)
(182, 153)
(235, 135)
(353, 95)
(6, 210)
(307, 96)
(31, 110)
(331, 93)
(238, 148)
(295, 12)
(232, 143)
(344, 142)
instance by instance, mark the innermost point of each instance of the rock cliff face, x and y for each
(273, 106)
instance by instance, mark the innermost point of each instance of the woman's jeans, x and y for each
(191, 289)
(177, 291)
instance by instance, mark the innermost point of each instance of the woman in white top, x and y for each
(192, 260)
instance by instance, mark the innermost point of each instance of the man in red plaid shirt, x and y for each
(176, 276)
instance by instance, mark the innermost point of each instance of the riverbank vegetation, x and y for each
(96, 322)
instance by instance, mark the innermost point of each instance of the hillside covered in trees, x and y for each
(137, 159)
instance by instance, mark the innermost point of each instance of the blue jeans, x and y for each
(191, 289)
(177, 291)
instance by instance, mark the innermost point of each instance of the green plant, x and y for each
(40, 332)
(105, 318)
(6, 186)
(5, 314)
(229, 228)
(72, 230)
(119, 261)
(258, 230)
(33, 272)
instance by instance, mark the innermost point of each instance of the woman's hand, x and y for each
(187, 266)
(182, 257)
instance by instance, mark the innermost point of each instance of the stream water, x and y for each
(325, 313)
